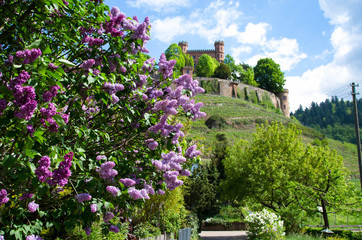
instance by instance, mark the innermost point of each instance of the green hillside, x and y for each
(242, 117)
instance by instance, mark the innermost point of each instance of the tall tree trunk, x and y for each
(325, 214)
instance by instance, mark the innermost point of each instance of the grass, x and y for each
(302, 237)
(243, 117)
(354, 218)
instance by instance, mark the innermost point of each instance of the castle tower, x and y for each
(219, 50)
(284, 102)
(183, 45)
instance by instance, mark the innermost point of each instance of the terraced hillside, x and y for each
(242, 117)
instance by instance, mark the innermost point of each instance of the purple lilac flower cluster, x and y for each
(114, 24)
(52, 66)
(191, 152)
(114, 229)
(3, 197)
(33, 237)
(3, 105)
(30, 130)
(49, 112)
(48, 95)
(152, 144)
(32, 207)
(93, 41)
(24, 96)
(87, 64)
(113, 190)
(93, 207)
(166, 67)
(127, 182)
(62, 173)
(169, 161)
(112, 89)
(142, 193)
(166, 129)
(83, 197)
(106, 170)
(148, 65)
(87, 230)
(26, 196)
(100, 157)
(171, 179)
(29, 56)
(108, 216)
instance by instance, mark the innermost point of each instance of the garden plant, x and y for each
(86, 134)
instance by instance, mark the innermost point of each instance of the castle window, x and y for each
(193, 57)
(217, 55)
(188, 71)
(284, 106)
(284, 97)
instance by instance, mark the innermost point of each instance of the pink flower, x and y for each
(32, 206)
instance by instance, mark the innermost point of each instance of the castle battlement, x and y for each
(217, 53)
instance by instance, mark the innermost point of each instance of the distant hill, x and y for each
(334, 118)
(241, 118)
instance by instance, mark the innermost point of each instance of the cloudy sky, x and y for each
(318, 44)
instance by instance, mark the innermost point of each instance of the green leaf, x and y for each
(34, 44)
(9, 161)
(66, 62)
(91, 79)
(47, 50)
(59, 120)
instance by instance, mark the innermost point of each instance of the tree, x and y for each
(222, 71)
(85, 130)
(172, 51)
(201, 190)
(245, 74)
(325, 183)
(279, 172)
(189, 61)
(268, 75)
(205, 66)
(229, 60)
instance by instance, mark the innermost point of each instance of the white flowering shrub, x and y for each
(265, 225)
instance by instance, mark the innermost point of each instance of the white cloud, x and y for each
(159, 5)
(316, 84)
(254, 34)
(221, 20)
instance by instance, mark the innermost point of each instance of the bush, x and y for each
(234, 214)
(215, 121)
(145, 230)
(265, 225)
(346, 234)
(211, 86)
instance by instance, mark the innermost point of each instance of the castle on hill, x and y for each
(217, 53)
(228, 88)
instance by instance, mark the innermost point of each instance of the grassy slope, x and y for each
(243, 117)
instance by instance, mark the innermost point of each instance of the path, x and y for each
(223, 235)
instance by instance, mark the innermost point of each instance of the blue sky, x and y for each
(318, 44)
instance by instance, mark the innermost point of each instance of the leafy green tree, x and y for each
(189, 61)
(261, 170)
(277, 171)
(245, 74)
(325, 183)
(172, 51)
(205, 66)
(223, 71)
(81, 118)
(201, 192)
(268, 75)
(229, 60)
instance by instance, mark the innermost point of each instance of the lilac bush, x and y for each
(85, 130)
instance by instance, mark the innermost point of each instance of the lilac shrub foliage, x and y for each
(86, 134)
